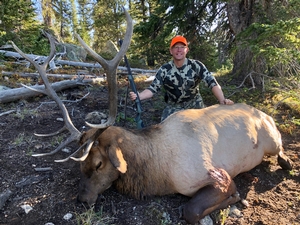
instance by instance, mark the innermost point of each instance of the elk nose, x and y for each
(82, 202)
(88, 203)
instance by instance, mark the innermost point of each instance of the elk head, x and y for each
(110, 67)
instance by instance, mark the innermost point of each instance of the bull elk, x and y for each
(194, 152)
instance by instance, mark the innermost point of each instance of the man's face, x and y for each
(179, 51)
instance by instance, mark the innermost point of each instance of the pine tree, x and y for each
(267, 38)
(18, 23)
(109, 23)
(85, 11)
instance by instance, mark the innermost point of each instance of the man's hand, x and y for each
(227, 102)
(132, 96)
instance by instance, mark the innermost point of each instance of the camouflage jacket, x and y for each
(182, 84)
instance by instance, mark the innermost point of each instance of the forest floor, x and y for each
(273, 194)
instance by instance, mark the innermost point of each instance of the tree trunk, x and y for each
(241, 14)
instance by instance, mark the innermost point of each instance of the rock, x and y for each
(27, 208)
(66, 150)
(235, 212)
(4, 196)
(245, 202)
(68, 216)
(206, 221)
(96, 117)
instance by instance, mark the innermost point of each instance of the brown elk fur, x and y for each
(192, 152)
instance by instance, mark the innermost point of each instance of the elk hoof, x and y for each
(284, 162)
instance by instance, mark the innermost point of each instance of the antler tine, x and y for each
(75, 134)
(89, 143)
(110, 66)
(69, 140)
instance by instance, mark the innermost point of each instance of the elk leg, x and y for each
(211, 197)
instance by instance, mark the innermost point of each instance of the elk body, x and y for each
(196, 153)
(193, 152)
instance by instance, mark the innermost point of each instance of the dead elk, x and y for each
(193, 152)
(196, 153)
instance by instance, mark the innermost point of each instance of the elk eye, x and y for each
(98, 165)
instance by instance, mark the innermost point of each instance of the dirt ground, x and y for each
(273, 194)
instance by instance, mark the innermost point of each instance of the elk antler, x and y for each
(110, 68)
(75, 134)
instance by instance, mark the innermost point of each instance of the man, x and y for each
(180, 80)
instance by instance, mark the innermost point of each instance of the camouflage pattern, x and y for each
(181, 85)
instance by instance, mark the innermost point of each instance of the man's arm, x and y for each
(218, 93)
(145, 94)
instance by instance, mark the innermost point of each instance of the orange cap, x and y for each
(178, 39)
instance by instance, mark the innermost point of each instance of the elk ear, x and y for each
(116, 157)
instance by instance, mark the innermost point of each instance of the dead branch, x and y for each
(44, 169)
(262, 76)
(251, 78)
(8, 112)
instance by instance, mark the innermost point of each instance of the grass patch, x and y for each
(158, 215)
(21, 114)
(90, 217)
(19, 140)
(279, 98)
(22, 139)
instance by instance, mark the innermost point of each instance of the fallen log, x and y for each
(24, 93)
(57, 75)
(60, 75)
(70, 63)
